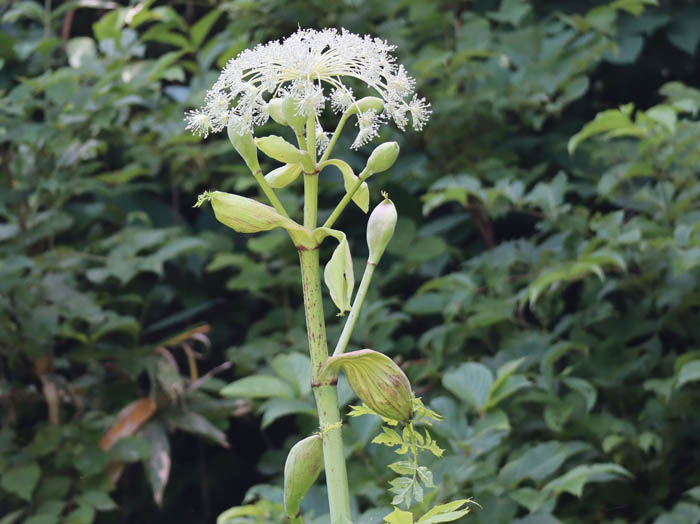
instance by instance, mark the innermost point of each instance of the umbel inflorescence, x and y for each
(313, 68)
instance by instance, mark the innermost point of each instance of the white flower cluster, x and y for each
(301, 66)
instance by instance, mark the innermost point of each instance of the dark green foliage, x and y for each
(541, 291)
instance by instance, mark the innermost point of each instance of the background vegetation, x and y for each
(541, 292)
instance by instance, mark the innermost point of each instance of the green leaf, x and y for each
(683, 32)
(202, 27)
(21, 480)
(12, 517)
(540, 461)
(446, 512)
(295, 368)
(157, 465)
(584, 388)
(131, 449)
(505, 389)
(470, 382)
(276, 408)
(43, 518)
(512, 12)
(80, 51)
(613, 122)
(195, 423)
(82, 515)
(574, 480)
(690, 372)
(399, 517)
(99, 500)
(258, 386)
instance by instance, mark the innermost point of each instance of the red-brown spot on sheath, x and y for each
(304, 248)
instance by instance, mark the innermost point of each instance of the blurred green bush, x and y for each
(541, 291)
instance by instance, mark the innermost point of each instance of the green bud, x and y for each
(244, 144)
(276, 109)
(365, 104)
(278, 148)
(383, 157)
(380, 228)
(283, 176)
(293, 119)
(304, 464)
(378, 381)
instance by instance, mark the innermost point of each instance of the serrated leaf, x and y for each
(446, 512)
(388, 437)
(399, 517)
(403, 467)
(426, 476)
(402, 488)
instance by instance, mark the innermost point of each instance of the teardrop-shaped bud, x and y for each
(278, 148)
(294, 119)
(366, 104)
(243, 141)
(383, 157)
(378, 381)
(276, 110)
(283, 176)
(304, 464)
(380, 228)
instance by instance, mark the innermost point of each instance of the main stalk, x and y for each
(325, 391)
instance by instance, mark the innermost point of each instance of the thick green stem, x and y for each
(344, 339)
(325, 391)
(346, 199)
(310, 200)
